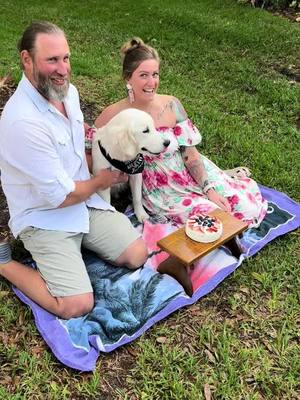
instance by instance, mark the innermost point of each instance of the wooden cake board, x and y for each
(185, 251)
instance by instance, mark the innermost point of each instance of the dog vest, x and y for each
(130, 167)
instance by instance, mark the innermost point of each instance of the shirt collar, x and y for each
(40, 102)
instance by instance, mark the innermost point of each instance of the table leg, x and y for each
(234, 247)
(178, 271)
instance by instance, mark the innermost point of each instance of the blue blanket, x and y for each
(127, 303)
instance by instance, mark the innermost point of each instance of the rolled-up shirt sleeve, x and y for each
(42, 157)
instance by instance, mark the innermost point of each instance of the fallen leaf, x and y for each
(4, 80)
(21, 319)
(3, 293)
(250, 380)
(133, 352)
(5, 380)
(207, 392)
(37, 350)
(244, 290)
(210, 356)
(258, 277)
(161, 339)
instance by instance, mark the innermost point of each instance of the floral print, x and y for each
(170, 190)
(89, 134)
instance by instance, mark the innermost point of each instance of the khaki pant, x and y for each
(58, 254)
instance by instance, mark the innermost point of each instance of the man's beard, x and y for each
(48, 89)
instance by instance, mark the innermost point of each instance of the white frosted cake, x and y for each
(203, 228)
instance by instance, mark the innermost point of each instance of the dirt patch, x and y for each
(90, 111)
(293, 14)
(291, 72)
(5, 92)
(4, 217)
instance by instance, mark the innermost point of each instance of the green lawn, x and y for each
(229, 64)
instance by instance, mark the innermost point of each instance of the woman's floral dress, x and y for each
(170, 190)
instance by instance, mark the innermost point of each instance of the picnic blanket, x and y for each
(127, 303)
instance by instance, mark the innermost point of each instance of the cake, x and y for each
(203, 228)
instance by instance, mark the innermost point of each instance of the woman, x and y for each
(180, 181)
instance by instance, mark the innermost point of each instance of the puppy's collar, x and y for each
(130, 167)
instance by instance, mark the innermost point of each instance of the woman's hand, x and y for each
(219, 200)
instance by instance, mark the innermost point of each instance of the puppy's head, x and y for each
(142, 128)
(129, 133)
(116, 138)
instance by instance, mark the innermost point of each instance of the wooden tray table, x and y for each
(186, 251)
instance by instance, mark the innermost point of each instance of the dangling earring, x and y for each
(130, 92)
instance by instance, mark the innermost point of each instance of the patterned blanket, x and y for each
(127, 303)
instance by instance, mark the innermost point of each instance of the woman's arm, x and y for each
(194, 164)
(178, 110)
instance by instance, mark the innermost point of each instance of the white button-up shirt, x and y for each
(41, 155)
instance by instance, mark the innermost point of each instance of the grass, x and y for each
(223, 61)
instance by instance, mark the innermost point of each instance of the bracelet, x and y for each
(206, 186)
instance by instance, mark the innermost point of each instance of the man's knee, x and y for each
(134, 256)
(75, 306)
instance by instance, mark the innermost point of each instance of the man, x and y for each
(52, 200)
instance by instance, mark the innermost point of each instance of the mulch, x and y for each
(5, 92)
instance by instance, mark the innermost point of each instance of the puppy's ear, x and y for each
(119, 143)
(127, 144)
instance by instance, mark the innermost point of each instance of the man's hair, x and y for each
(28, 39)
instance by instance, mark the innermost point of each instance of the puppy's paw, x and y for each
(238, 173)
(141, 214)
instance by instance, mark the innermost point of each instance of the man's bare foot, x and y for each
(178, 271)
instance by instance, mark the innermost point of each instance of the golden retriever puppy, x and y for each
(120, 144)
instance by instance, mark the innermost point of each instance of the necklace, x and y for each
(156, 115)
(164, 108)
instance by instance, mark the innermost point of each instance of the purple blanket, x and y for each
(128, 303)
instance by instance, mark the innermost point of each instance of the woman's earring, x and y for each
(130, 92)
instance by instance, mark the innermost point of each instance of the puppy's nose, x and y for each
(166, 143)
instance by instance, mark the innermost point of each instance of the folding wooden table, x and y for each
(185, 251)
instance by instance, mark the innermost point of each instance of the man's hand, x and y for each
(110, 177)
(104, 179)
(219, 200)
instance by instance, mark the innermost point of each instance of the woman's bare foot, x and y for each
(238, 173)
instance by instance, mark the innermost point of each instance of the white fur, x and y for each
(127, 134)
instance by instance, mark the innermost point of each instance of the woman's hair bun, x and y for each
(133, 53)
(131, 44)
